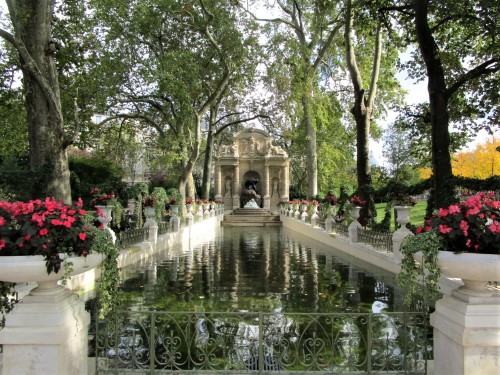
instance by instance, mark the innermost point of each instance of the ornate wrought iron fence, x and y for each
(342, 229)
(151, 342)
(133, 236)
(379, 240)
(163, 227)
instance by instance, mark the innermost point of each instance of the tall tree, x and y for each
(364, 71)
(181, 59)
(300, 37)
(32, 38)
(458, 50)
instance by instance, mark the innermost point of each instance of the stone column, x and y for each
(236, 187)
(217, 182)
(467, 334)
(285, 185)
(46, 334)
(266, 197)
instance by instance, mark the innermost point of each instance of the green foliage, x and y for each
(108, 291)
(420, 278)
(7, 300)
(90, 172)
(162, 198)
(21, 181)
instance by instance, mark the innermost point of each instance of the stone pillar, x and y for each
(153, 229)
(467, 334)
(46, 334)
(176, 223)
(286, 183)
(266, 197)
(217, 182)
(236, 187)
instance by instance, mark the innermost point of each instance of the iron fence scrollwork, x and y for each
(379, 240)
(150, 342)
(133, 236)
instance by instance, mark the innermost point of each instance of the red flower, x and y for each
(464, 226)
(2, 221)
(2, 244)
(444, 229)
(43, 231)
(495, 227)
(82, 236)
(473, 224)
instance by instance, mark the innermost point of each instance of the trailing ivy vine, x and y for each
(420, 278)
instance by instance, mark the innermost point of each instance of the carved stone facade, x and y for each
(252, 156)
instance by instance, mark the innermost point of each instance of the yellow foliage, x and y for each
(425, 173)
(482, 162)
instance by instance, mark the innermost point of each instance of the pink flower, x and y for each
(495, 227)
(444, 229)
(43, 231)
(56, 222)
(465, 227)
(473, 211)
(2, 222)
(82, 236)
(443, 212)
(2, 244)
(454, 209)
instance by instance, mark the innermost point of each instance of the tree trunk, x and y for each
(362, 112)
(438, 104)
(187, 171)
(207, 165)
(32, 38)
(311, 148)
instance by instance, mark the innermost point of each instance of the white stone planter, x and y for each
(474, 269)
(175, 209)
(355, 213)
(29, 268)
(150, 212)
(105, 215)
(403, 214)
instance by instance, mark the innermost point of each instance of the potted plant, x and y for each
(149, 204)
(357, 203)
(46, 241)
(461, 241)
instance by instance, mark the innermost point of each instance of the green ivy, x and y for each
(108, 291)
(420, 279)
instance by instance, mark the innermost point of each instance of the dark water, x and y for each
(260, 269)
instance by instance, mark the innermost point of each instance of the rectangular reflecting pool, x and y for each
(261, 269)
(261, 300)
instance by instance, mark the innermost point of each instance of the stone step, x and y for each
(251, 217)
(247, 219)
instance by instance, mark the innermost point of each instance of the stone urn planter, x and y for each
(355, 213)
(475, 270)
(403, 213)
(175, 209)
(29, 268)
(104, 217)
(150, 212)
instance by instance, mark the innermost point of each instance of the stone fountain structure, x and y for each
(251, 167)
